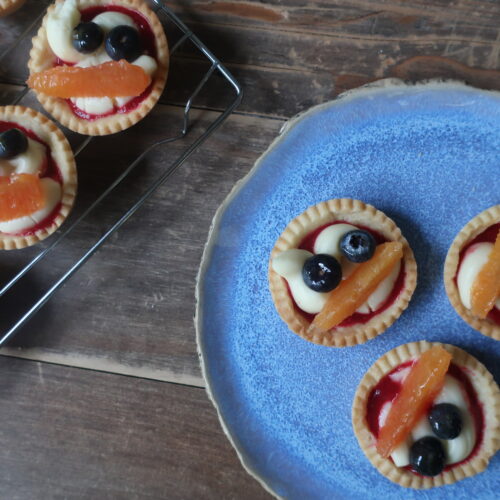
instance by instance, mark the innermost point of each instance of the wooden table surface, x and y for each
(102, 395)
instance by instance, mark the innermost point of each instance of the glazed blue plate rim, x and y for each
(379, 87)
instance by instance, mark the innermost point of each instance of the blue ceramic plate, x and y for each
(429, 157)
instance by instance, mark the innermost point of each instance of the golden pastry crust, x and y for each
(355, 212)
(472, 229)
(9, 6)
(487, 392)
(42, 58)
(63, 156)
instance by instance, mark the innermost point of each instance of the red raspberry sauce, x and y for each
(50, 170)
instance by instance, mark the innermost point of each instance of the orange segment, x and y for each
(110, 79)
(486, 286)
(420, 388)
(355, 290)
(20, 195)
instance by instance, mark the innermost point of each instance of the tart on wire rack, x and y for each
(98, 66)
(38, 177)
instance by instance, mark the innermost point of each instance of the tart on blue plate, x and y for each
(427, 414)
(341, 273)
(472, 272)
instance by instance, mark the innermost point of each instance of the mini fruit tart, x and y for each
(37, 177)
(99, 66)
(472, 273)
(9, 6)
(341, 273)
(427, 414)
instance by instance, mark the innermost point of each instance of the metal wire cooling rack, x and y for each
(185, 36)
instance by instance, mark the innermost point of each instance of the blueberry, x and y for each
(12, 143)
(445, 420)
(358, 245)
(87, 37)
(427, 456)
(123, 42)
(321, 272)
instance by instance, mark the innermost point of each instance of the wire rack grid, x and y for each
(185, 36)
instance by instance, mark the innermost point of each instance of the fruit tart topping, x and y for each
(358, 246)
(289, 265)
(473, 261)
(322, 273)
(12, 143)
(328, 240)
(61, 21)
(438, 421)
(357, 288)
(110, 79)
(427, 456)
(486, 286)
(421, 386)
(445, 420)
(123, 42)
(32, 161)
(20, 195)
(87, 37)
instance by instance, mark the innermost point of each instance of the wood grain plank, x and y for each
(310, 51)
(291, 54)
(396, 20)
(130, 308)
(70, 433)
(283, 92)
(288, 68)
